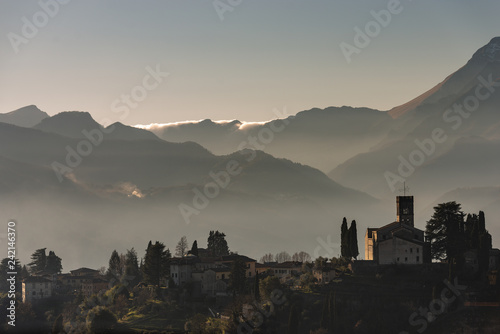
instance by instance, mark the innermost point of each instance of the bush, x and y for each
(100, 320)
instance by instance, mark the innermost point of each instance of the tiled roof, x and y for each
(36, 279)
(233, 257)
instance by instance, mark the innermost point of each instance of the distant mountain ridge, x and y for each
(470, 125)
(74, 124)
(321, 138)
(26, 117)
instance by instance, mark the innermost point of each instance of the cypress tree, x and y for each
(353, 240)
(344, 240)
(194, 248)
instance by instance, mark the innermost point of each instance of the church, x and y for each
(399, 242)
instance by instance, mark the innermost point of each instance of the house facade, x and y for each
(181, 268)
(92, 286)
(324, 275)
(399, 242)
(35, 288)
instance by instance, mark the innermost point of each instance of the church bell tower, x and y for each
(404, 210)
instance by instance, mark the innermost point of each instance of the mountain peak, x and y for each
(26, 116)
(69, 123)
(490, 52)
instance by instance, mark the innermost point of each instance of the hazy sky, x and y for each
(264, 54)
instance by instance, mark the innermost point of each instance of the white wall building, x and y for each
(36, 288)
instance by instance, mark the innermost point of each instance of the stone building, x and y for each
(399, 242)
(35, 287)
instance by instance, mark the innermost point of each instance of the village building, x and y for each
(77, 277)
(325, 274)
(35, 288)
(494, 259)
(211, 274)
(228, 260)
(261, 268)
(287, 269)
(92, 286)
(399, 242)
(84, 272)
(181, 268)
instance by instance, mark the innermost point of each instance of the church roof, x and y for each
(395, 236)
(395, 225)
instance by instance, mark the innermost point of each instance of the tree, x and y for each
(484, 245)
(237, 280)
(115, 265)
(38, 260)
(132, 270)
(344, 241)
(217, 244)
(24, 272)
(294, 319)
(256, 291)
(101, 320)
(53, 263)
(268, 285)
(57, 327)
(282, 257)
(267, 258)
(194, 248)
(442, 231)
(156, 263)
(181, 248)
(320, 262)
(353, 240)
(301, 257)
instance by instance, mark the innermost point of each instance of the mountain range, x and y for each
(263, 184)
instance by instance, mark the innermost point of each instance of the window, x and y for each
(418, 258)
(411, 250)
(418, 250)
(406, 259)
(249, 274)
(398, 259)
(223, 276)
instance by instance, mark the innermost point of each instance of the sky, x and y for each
(230, 59)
